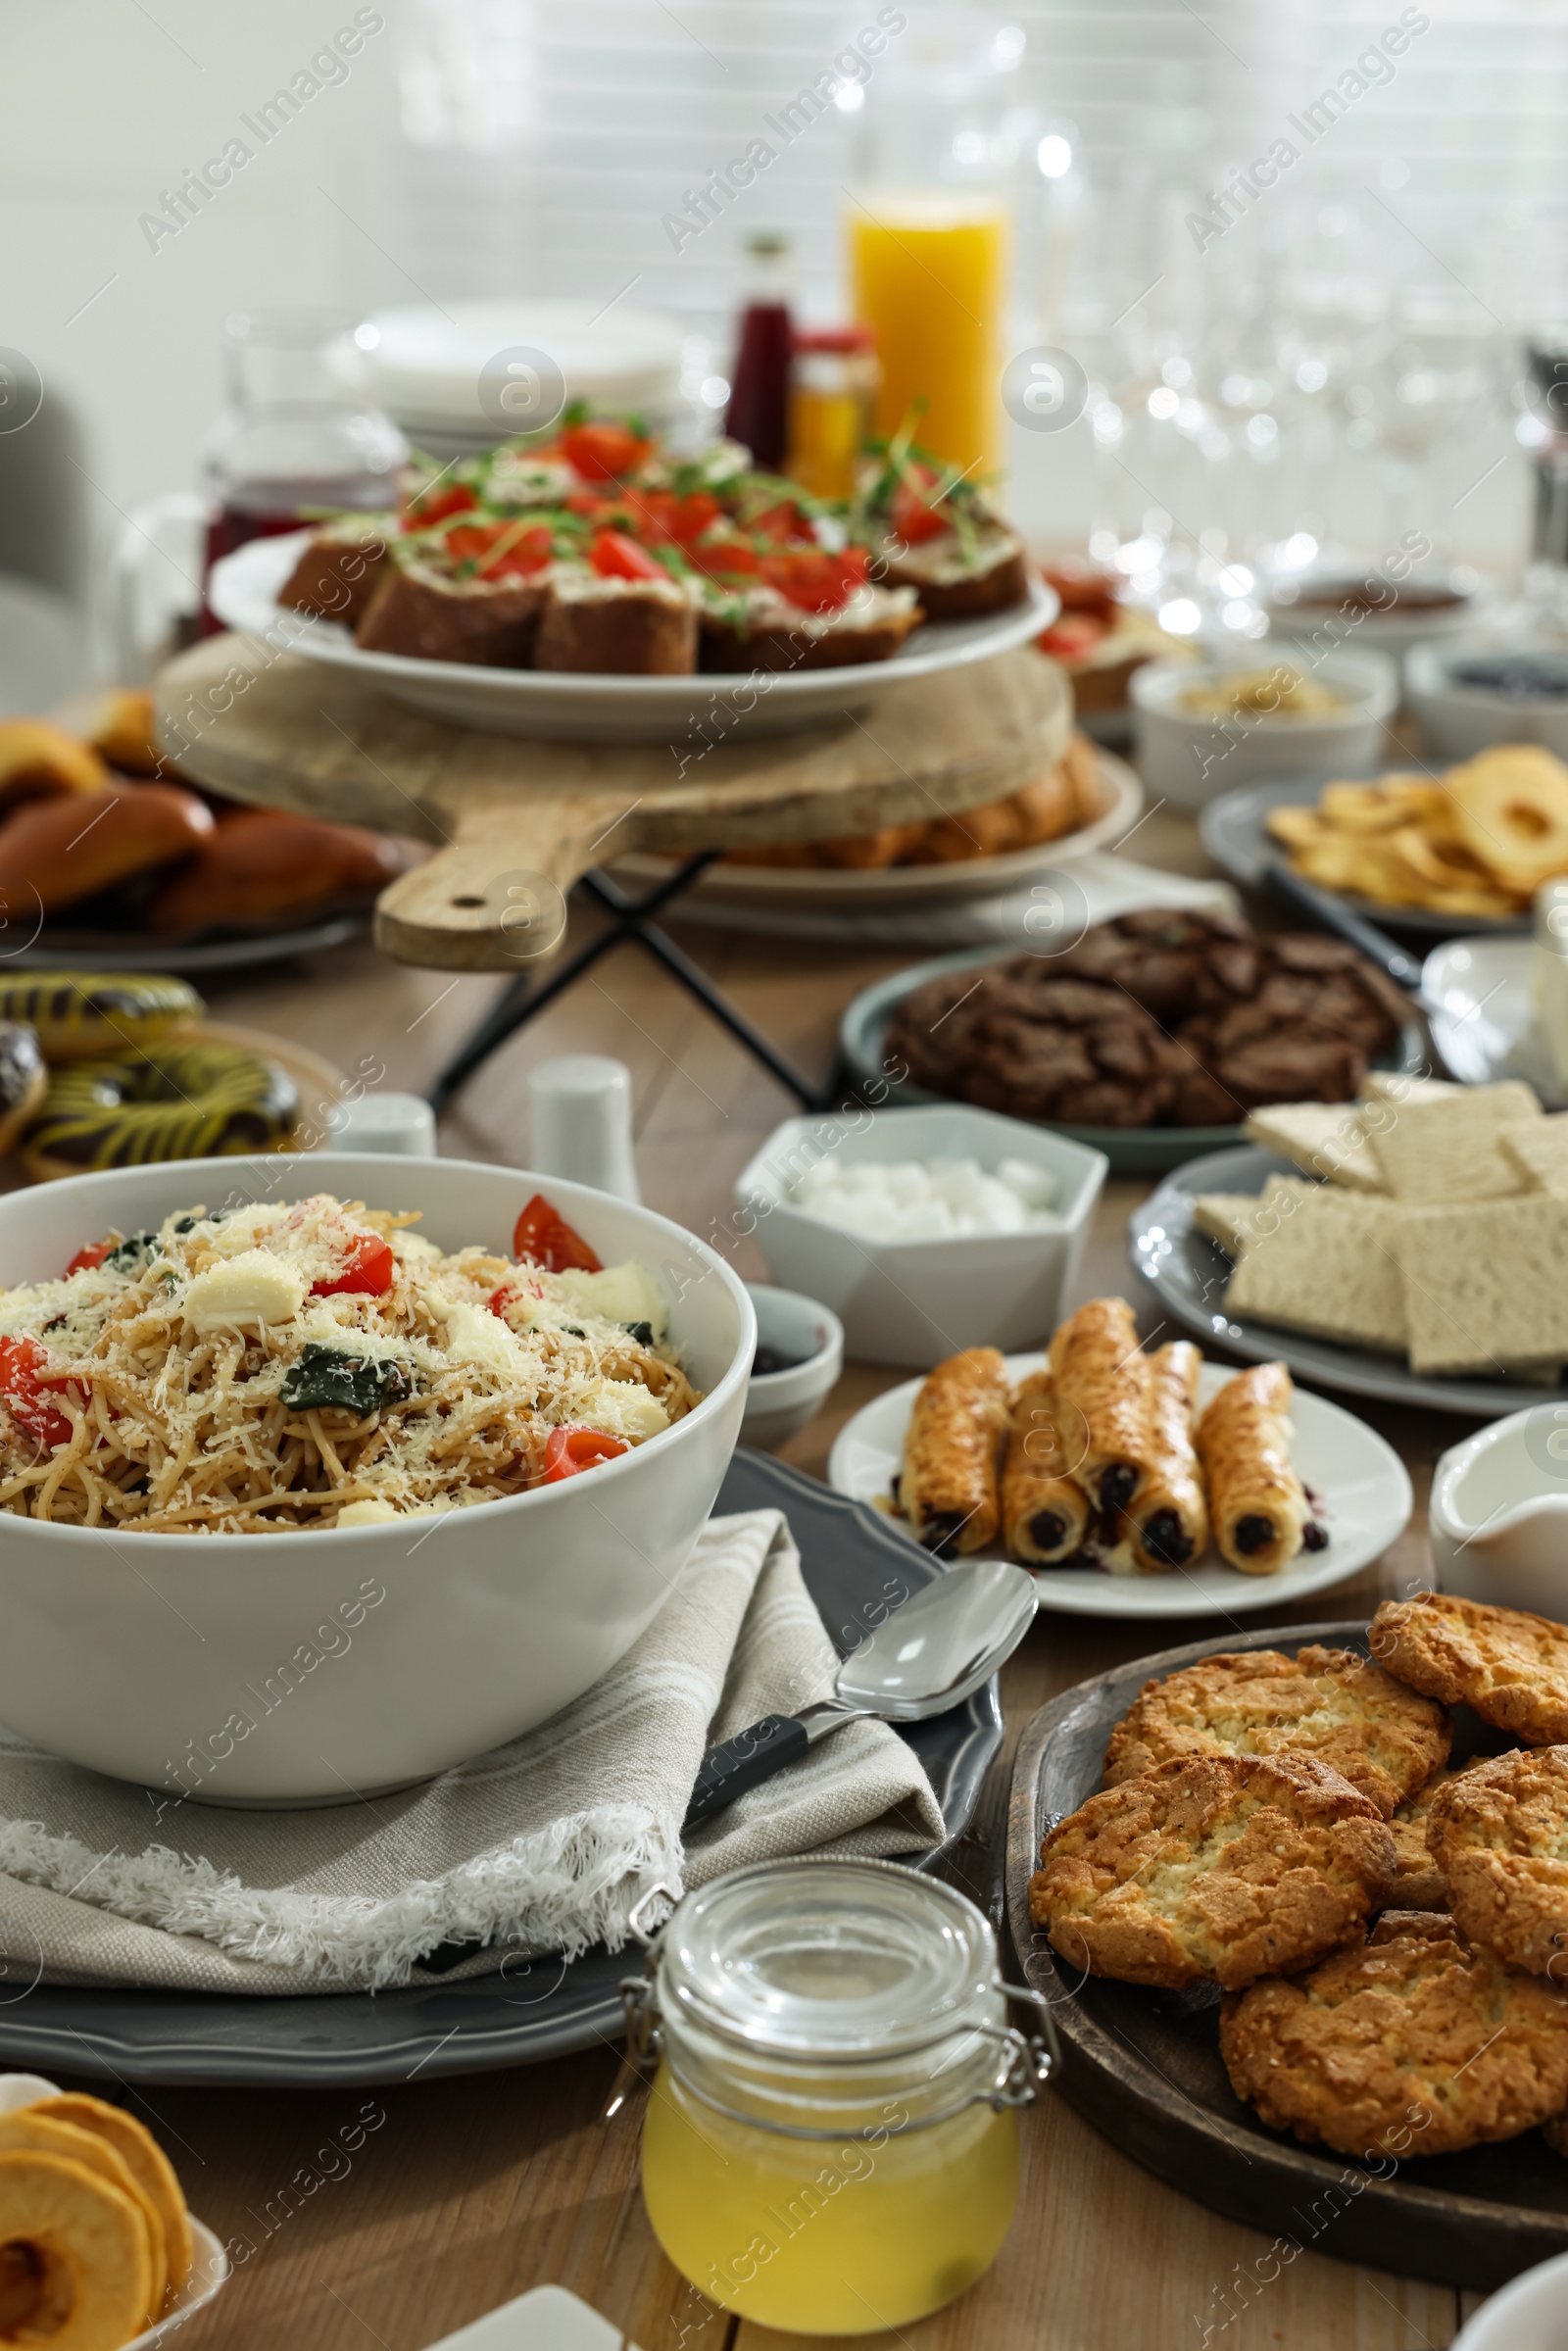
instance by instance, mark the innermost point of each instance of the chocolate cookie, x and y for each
(1512, 1668)
(1327, 1703)
(1026, 1042)
(1415, 2042)
(1227, 1867)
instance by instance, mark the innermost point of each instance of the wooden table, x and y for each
(465, 2192)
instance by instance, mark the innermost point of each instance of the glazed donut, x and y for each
(155, 2176)
(23, 1079)
(53, 854)
(120, 730)
(261, 862)
(48, 2134)
(82, 1014)
(41, 761)
(76, 2270)
(175, 1101)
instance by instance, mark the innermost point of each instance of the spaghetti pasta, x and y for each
(283, 1366)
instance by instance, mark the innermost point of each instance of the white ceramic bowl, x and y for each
(141, 1655)
(1529, 2314)
(780, 1402)
(1192, 760)
(1457, 720)
(915, 1301)
(1500, 1513)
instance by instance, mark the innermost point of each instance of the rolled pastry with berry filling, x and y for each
(1044, 1512)
(1167, 1526)
(1103, 1391)
(1258, 1506)
(950, 1488)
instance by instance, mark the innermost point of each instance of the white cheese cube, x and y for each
(623, 1408)
(476, 1336)
(366, 1514)
(620, 1294)
(250, 1290)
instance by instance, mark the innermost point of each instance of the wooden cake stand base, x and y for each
(522, 821)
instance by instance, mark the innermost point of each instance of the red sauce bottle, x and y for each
(758, 409)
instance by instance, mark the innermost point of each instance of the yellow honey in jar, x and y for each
(830, 2144)
(841, 2236)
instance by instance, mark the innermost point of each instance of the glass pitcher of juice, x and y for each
(297, 437)
(831, 2145)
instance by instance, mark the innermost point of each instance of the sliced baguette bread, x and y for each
(430, 617)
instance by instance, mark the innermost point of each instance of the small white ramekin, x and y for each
(1190, 760)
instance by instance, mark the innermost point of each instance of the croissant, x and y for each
(41, 761)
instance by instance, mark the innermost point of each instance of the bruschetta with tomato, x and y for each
(930, 529)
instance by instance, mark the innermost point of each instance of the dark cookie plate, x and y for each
(1145, 2067)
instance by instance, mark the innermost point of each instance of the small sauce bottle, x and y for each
(832, 406)
(831, 2143)
(758, 415)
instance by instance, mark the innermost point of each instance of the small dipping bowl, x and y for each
(805, 1340)
(1500, 1513)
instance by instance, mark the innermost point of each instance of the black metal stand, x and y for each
(629, 919)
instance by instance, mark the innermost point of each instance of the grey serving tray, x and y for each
(851, 1561)
(1145, 2067)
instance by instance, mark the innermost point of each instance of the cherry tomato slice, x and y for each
(568, 1451)
(814, 580)
(367, 1270)
(727, 558)
(24, 1371)
(1072, 638)
(615, 556)
(86, 1259)
(433, 506)
(602, 452)
(546, 1238)
(915, 516)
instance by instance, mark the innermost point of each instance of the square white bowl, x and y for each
(1193, 759)
(915, 1301)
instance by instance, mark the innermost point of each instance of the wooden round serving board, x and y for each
(1145, 2067)
(288, 733)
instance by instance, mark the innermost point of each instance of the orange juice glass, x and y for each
(928, 275)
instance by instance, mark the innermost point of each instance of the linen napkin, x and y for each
(543, 1845)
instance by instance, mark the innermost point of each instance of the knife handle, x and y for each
(1404, 970)
(745, 1761)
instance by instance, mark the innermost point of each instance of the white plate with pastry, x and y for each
(1356, 1491)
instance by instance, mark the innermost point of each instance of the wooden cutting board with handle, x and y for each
(521, 819)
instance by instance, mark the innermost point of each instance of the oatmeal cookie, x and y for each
(1228, 1867)
(1415, 2042)
(1421, 1884)
(1510, 1667)
(1328, 1703)
(1499, 1835)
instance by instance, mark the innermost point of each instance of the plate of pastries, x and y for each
(1149, 1037)
(1131, 1481)
(593, 550)
(97, 2246)
(1087, 801)
(109, 855)
(1322, 1870)
(1412, 1245)
(102, 1069)
(1465, 848)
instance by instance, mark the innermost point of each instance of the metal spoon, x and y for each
(928, 1655)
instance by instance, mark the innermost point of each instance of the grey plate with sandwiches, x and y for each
(1144, 2067)
(856, 1568)
(1191, 1273)
(1131, 1150)
(1234, 830)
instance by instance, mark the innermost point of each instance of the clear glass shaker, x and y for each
(831, 2143)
